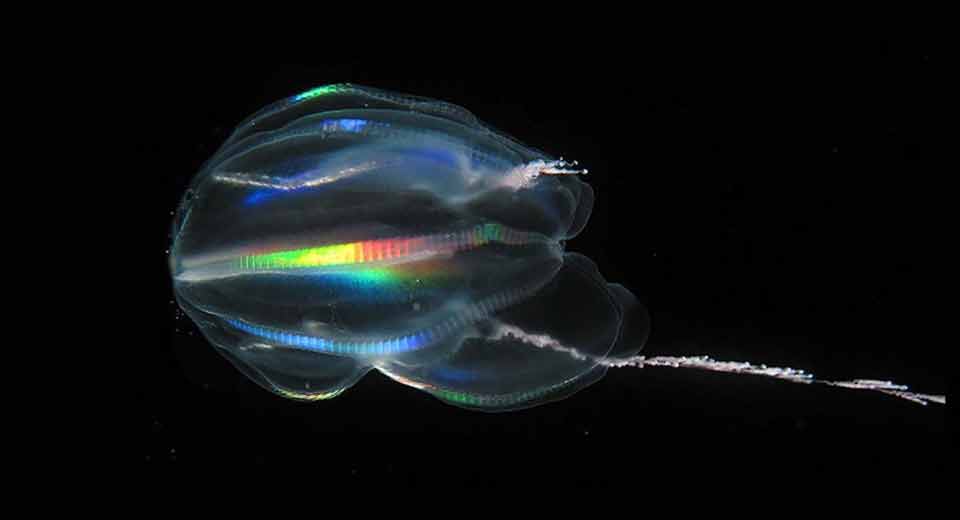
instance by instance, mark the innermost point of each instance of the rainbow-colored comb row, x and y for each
(456, 321)
(382, 250)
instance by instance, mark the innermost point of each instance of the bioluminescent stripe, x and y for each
(353, 260)
(304, 396)
(496, 400)
(319, 91)
(384, 347)
(382, 250)
(456, 321)
(477, 399)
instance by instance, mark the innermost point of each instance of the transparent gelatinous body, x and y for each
(349, 228)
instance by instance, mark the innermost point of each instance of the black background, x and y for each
(761, 195)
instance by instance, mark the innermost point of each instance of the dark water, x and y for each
(763, 201)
